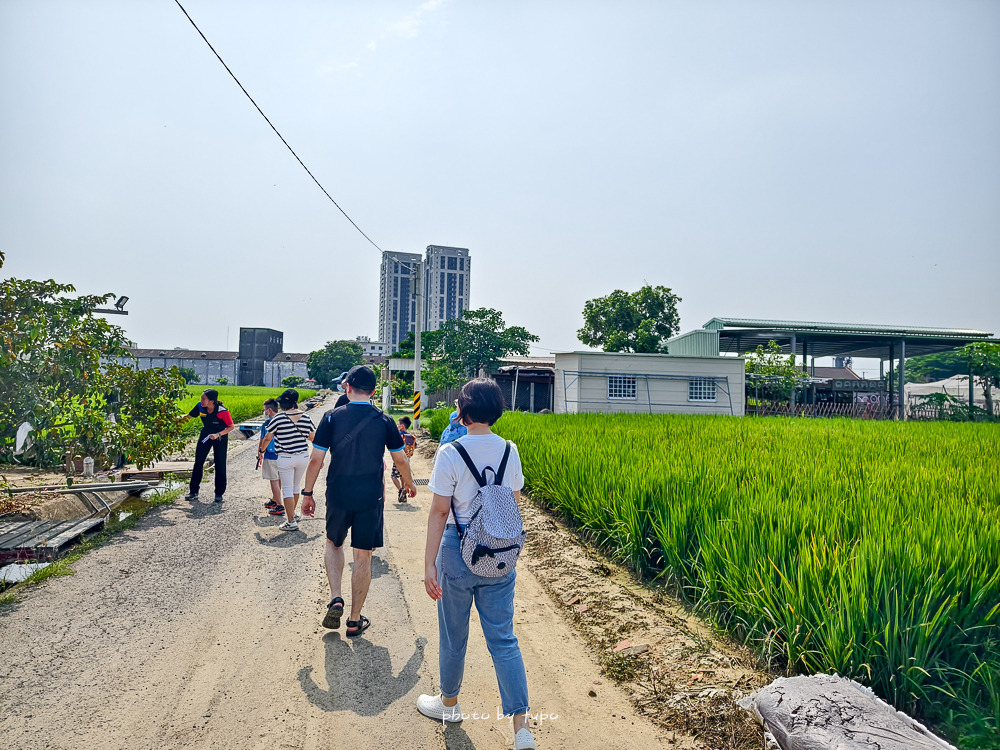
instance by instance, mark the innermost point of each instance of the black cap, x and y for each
(362, 378)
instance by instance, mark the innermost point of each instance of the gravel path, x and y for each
(201, 628)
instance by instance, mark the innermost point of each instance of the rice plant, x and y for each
(243, 401)
(867, 548)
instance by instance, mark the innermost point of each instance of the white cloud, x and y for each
(409, 27)
(371, 45)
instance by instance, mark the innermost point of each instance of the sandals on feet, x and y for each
(333, 613)
(401, 498)
(360, 626)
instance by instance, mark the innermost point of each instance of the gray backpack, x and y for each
(492, 540)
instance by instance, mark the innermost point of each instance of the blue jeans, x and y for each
(494, 598)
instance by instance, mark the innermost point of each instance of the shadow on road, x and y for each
(286, 539)
(359, 676)
(379, 567)
(455, 738)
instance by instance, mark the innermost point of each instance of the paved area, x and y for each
(201, 628)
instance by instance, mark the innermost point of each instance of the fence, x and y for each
(853, 411)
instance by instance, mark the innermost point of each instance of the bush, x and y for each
(435, 420)
(293, 381)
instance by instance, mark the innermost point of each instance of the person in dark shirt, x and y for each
(356, 436)
(216, 424)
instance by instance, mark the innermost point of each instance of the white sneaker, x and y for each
(524, 740)
(289, 526)
(432, 707)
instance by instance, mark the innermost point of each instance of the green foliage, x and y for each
(463, 346)
(435, 420)
(293, 381)
(402, 391)
(639, 321)
(189, 375)
(243, 401)
(771, 376)
(984, 360)
(867, 548)
(326, 364)
(59, 371)
(930, 367)
(222, 381)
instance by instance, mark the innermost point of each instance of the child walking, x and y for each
(448, 579)
(409, 446)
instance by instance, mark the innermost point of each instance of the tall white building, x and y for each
(447, 271)
(397, 305)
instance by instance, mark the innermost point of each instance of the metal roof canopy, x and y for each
(738, 335)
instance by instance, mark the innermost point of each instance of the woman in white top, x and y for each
(292, 430)
(448, 579)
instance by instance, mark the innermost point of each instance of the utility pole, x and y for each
(418, 295)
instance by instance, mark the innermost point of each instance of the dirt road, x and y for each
(201, 628)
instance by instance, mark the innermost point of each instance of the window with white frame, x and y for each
(701, 389)
(621, 386)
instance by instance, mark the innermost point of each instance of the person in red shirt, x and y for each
(216, 424)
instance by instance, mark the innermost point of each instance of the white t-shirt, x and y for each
(452, 478)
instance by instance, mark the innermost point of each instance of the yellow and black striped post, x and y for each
(416, 407)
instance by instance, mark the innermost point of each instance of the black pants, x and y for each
(201, 453)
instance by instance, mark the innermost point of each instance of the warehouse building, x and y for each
(260, 360)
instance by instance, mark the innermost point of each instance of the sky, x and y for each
(831, 161)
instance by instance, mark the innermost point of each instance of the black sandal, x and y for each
(333, 614)
(360, 626)
(401, 498)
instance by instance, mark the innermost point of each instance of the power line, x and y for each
(268, 121)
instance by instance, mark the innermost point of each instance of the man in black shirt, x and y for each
(356, 436)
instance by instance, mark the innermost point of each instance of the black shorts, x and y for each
(365, 526)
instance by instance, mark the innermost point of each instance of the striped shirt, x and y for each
(289, 436)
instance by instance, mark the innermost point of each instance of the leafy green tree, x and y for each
(59, 371)
(927, 368)
(639, 321)
(189, 375)
(293, 381)
(771, 375)
(984, 361)
(406, 348)
(326, 364)
(463, 346)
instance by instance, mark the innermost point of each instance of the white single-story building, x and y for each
(607, 382)
(282, 366)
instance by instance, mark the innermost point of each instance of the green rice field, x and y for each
(867, 548)
(243, 401)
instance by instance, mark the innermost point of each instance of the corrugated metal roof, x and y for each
(183, 354)
(716, 324)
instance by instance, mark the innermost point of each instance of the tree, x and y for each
(464, 346)
(984, 363)
(927, 368)
(293, 381)
(326, 364)
(775, 376)
(189, 375)
(59, 372)
(639, 321)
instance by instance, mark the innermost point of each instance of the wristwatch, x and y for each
(306, 493)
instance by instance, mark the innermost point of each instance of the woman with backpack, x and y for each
(292, 430)
(468, 560)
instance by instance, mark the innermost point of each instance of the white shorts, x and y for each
(269, 469)
(291, 471)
